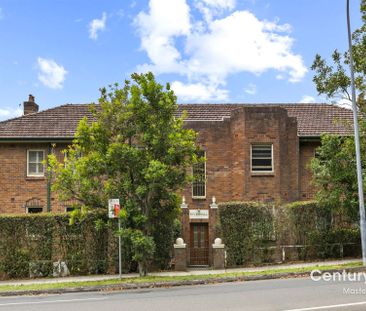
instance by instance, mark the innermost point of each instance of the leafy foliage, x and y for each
(246, 226)
(322, 232)
(38, 240)
(134, 149)
(255, 233)
(335, 170)
(333, 79)
(334, 174)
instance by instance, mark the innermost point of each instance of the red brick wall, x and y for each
(16, 187)
(307, 152)
(229, 177)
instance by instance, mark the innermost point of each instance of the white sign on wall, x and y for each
(198, 214)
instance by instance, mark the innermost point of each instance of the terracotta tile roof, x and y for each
(312, 119)
(61, 122)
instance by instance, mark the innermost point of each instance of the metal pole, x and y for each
(357, 144)
(119, 249)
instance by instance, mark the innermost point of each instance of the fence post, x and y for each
(180, 255)
(218, 250)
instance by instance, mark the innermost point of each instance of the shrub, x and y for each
(31, 243)
(254, 232)
(246, 227)
(322, 231)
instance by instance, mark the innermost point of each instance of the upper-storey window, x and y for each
(199, 177)
(262, 158)
(35, 166)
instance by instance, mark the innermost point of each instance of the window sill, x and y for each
(35, 178)
(198, 198)
(262, 174)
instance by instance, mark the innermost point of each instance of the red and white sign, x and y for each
(113, 208)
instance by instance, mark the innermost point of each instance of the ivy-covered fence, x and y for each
(36, 244)
(260, 233)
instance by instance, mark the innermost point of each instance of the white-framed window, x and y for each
(199, 177)
(261, 158)
(35, 165)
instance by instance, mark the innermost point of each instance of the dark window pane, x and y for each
(199, 177)
(35, 210)
(262, 162)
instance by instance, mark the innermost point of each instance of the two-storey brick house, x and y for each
(253, 152)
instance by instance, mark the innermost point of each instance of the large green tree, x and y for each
(136, 149)
(334, 169)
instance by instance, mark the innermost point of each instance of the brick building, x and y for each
(253, 152)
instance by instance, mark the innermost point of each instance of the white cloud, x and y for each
(198, 92)
(220, 4)
(7, 113)
(211, 8)
(307, 99)
(207, 50)
(251, 89)
(97, 25)
(166, 19)
(343, 102)
(50, 73)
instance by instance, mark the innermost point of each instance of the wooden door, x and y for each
(199, 244)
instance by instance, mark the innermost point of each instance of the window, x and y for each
(69, 209)
(33, 206)
(262, 158)
(35, 165)
(34, 210)
(199, 177)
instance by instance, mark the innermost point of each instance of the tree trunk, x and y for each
(142, 268)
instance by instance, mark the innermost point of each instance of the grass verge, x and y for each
(167, 279)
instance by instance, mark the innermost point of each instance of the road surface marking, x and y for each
(330, 307)
(49, 301)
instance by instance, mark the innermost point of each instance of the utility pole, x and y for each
(357, 143)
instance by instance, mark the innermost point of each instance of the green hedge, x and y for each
(323, 231)
(35, 241)
(246, 227)
(301, 218)
(256, 233)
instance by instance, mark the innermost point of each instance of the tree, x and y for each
(334, 80)
(334, 170)
(136, 149)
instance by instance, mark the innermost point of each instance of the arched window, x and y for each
(33, 206)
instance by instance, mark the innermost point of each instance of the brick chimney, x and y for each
(30, 106)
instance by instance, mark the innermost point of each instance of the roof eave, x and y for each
(35, 139)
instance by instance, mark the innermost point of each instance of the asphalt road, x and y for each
(286, 294)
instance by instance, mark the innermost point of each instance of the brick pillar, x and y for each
(218, 254)
(180, 255)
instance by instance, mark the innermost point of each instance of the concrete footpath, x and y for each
(174, 273)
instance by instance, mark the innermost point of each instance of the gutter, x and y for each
(36, 139)
(309, 138)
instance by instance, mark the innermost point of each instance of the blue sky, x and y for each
(250, 51)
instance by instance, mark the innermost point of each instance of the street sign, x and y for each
(113, 208)
(113, 212)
